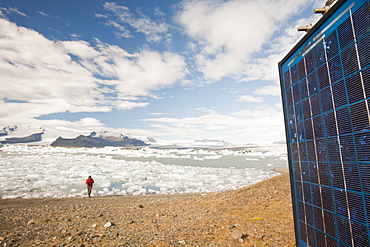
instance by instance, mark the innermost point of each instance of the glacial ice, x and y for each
(38, 171)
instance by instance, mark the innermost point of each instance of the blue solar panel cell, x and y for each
(305, 172)
(303, 88)
(293, 137)
(364, 51)
(321, 238)
(291, 115)
(318, 216)
(301, 69)
(324, 174)
(339, 94)
(289, 97)
(309, 60)
(361, 20)
(303, 230)
(335, 69)
(327, 199)
(287, 81)
(307, 193)
(354, 88)
(318, 127)
(320, 149)
(301, 211)
(300, 132)
(347, 148)
(302, 150)
(296, 93)
(297, 171)
(312, 83)
(316, 195)
(299, 191)
(326, 99)
(349, 60)
(330, 124)
(343, 121)
(333, 149)
(345, 34)
(365, 181)
(356, 206)
(314, 177)
(331, 45)
(315, 104)
(337, 175)
(309, 131)
(359, 116)
(306, 108)
(293, 74)
(311, 236)
(319, 54)
(323, 76)
(366, 79)
(345, 235)
(360, 234)
(329, 223)
(362, 140)
(352, 177)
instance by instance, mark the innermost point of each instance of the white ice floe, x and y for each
(35, 171)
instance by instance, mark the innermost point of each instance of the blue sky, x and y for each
(167, 69)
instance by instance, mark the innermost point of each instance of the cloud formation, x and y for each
(154, 31)
(230, 36)
(60, 76)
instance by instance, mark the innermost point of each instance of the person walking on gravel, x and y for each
(89, 182)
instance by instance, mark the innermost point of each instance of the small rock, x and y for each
(31, 222)
(74, 234)
(94, 225)
(141, 206)
(236, 234)
(109, 224)
(259, 236)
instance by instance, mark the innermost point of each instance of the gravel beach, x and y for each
(257, 215)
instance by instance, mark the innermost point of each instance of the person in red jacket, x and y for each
(89, 182)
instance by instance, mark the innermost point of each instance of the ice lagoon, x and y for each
(38, 171)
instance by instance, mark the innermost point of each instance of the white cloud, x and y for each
(249, 98)
(81, 49)
(153, 30)
(15, 10)
(42, 76)
(39, 76)
(133, 74)
(128, 105)
(251, 125)
(231, 35)
(268, 90)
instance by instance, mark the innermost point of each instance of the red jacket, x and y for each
(89, 182)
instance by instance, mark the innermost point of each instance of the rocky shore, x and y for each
(257, 215)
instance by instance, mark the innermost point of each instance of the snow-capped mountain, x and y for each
(38, 135)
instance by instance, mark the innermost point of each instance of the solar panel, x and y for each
(325, 84)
